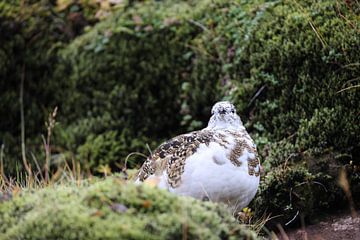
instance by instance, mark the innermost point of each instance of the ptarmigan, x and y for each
(218, 163)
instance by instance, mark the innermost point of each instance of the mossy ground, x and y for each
(114, 209)
(152, 70)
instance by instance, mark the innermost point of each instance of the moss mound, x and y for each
(127, 73)
(114, 209)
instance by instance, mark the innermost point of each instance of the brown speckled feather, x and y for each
(171, 155)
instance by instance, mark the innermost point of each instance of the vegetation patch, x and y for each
(114, 209)
(152, 69)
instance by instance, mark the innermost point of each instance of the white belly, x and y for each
(210, 174)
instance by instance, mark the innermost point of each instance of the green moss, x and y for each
(109, 148)
(284, 65)
(114, 209)
(289, 191)
(328, 127)
(153, 69)
(127, 73)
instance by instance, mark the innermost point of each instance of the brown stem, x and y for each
(23, 147)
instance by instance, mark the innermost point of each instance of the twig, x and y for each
(346, 19)
(291, 192)
(297, 213)
(198, 25)
(128, 156)
(288, 158)
(149, 149)
(2, 163)
(317, 34)
(259, 224)
(256, 94)
(46, 166)
(38, 167)
(348, 88)
(73, 170)
(78, 181)
(23, 147)
(50, 125)
(282, 232)
(312, 25)
(319, 183)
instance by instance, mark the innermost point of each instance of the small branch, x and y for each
(38, 167)
(50, 125)
(317, 34)
(129, 155)
(319, 183)
(282, 232)
(149, 149)
(46, 167)
(348, 88)
(288, 158)
(256, 95)
(297, 213)
(2, 173)
(23, 147)
(198, 25)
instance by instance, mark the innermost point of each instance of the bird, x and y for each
(218, 163)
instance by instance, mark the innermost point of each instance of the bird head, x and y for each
(223, 115)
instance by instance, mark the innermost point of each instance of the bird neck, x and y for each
(218, 122)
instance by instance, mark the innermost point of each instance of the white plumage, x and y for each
(218, 163)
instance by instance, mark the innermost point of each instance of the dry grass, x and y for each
(37, 176)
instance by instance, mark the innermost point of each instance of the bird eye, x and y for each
(233, 111)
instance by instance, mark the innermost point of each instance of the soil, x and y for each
(335, 227)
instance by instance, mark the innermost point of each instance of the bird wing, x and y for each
(244, 142)
(172, 154)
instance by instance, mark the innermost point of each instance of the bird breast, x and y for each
(225, 170)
